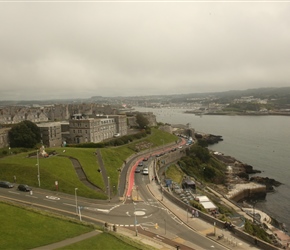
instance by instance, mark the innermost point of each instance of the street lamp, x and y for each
(109, 194)
(76, 199)
(38, 173)
(163, 144)
(165, 225)
(135, 220)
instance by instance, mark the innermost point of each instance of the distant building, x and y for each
(51, 134)
(4, 139)
(83, 129)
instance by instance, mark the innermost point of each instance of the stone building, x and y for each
(4, 139)
(51, 134)
(83, 129)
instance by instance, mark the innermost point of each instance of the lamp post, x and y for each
(162, 144)
(135, 220)
(37, 163)
(76, 199)
(165, 225)
(109, 194)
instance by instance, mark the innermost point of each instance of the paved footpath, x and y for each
(202, 227)
(69, 241)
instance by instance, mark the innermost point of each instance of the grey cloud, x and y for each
(83, 49)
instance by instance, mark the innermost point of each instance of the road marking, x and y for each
(49, 200)
(139, 213)
(31, 196)
(52, 198)
(72, 205)
(13, 192)
(146, 217)
(97, 209)
(158, 236)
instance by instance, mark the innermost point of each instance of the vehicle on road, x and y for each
(6, 184)
(24, 188)
(145, 171)
(140, 164)
(137, 170)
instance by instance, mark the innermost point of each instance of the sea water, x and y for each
(260, 141)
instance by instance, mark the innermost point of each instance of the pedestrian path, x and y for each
(202, 227)
(69, 241)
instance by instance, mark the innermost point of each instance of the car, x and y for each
(137, 170)
(145, 171)
(145, 159)
(6, 184)
(24, 188)
(140, 164)
(117, 135)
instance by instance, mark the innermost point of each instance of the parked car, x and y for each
(24, 187)
(6, 184)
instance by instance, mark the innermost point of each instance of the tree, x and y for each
(141, 120)
(25, 134)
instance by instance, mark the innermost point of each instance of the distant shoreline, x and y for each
(239, 113)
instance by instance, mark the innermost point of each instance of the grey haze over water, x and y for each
(260, 141)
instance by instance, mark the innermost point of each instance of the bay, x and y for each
(260, 141)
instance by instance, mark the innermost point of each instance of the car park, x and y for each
(6, 184)
(24, 188)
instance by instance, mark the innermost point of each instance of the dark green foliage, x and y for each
(25, 134)
(114, 142)
(256, 230)
(141, 121)
(200, 152)
(200, 164)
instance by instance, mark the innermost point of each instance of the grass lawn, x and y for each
(59, 167)
(105, 241)
(174, 173)
(25, 229)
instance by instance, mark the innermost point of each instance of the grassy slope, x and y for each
(35, 229)
(59, 167)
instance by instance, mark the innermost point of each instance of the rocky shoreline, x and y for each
(243, 171)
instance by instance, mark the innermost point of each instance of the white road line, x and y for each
(49, 200)
(68, 204)
(28, 195)
(13, 192)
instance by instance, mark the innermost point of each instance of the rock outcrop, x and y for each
(268, 182)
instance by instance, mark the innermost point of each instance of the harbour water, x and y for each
(260, 141)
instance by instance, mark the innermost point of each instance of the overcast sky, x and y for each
(82, 49)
